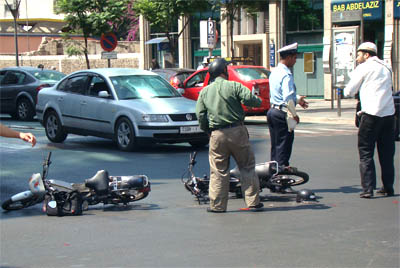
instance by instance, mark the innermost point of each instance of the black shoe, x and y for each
(383, 191)
(257, 207)
(215, 211)
(366, 195)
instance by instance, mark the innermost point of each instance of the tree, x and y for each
(129, 26)
(233, 8)
(91, 18)
(163, 15)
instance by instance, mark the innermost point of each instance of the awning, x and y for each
(157, 40)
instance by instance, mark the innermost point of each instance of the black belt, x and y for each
(236, 124)
(281, 107)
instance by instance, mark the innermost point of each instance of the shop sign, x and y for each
(396, 9)
(272, 54)
(372, 10)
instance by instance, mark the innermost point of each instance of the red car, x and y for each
(253, 77)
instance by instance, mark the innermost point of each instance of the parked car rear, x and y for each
(175, 76)
(255, 78)
(19, 87)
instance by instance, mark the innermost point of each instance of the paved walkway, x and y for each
(320, 111)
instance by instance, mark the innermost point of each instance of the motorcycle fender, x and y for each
(21, 196)
(61, 185)
(36, 184)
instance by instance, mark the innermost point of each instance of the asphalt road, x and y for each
(169, 229)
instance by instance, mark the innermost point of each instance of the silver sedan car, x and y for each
(129, 106)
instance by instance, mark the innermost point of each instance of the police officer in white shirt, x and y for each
(373, 80)
(282, 93)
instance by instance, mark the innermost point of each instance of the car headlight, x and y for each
(154, 118)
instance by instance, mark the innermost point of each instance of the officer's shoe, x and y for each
(366, 195)
(384, 192)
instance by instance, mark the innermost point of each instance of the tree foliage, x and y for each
(163, 15)
(91, 18)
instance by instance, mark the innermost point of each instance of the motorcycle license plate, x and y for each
(190, 129)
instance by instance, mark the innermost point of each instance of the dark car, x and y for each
(175, 76)
(396, 98)
(19, 87)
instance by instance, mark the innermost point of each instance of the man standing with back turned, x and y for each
(373, 79)
(283, 98)
(220, 113)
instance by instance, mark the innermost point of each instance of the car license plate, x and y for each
(190, 129)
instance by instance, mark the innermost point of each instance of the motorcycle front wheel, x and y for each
(23, 203)
(289, 178)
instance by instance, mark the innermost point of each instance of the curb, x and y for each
(305, 119)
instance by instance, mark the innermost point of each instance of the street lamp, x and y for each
(14, 11)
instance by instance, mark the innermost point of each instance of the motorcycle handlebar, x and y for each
(193, 158)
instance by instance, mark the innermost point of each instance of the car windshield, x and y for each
(142, 87)
(47, 75)
(248, 74)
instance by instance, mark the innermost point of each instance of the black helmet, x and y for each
(305, 195)
(217, 67)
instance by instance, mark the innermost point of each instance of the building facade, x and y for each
(36, 19)
(322, 67)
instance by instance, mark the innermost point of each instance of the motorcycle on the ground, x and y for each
(271, 176)
(101, 188)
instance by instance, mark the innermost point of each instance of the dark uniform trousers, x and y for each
(225, 143)
(281, 138)
(380, 131)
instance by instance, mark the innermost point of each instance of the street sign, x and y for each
(211, 33)
(108, 42)
(108, 55)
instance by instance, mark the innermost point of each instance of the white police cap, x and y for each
(289, 49)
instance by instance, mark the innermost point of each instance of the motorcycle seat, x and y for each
(98, 182)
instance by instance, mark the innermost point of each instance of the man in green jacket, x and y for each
(220, 113)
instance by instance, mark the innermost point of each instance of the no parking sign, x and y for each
(108, 42)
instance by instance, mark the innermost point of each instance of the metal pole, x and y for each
(16, 41)
(14, 11)
(339, 93)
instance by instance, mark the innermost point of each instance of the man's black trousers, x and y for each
(281, 138)
(380, 131)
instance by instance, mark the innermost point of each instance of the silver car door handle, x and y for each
(60, 99)
(83, 102)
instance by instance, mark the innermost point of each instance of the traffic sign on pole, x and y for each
(108, 42)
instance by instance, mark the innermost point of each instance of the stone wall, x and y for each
(68, 65)
(51, 54)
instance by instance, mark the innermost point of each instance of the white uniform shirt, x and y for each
(373, 79)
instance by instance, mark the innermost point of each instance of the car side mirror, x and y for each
(180, 90)
(104, 94)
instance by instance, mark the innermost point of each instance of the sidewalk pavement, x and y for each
(320, 111)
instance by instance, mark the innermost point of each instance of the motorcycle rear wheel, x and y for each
(20, 204)
(289, 178)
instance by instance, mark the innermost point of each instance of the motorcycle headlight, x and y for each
(154, 118)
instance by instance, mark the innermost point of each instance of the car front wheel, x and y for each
(125, 135)
(54, 130)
